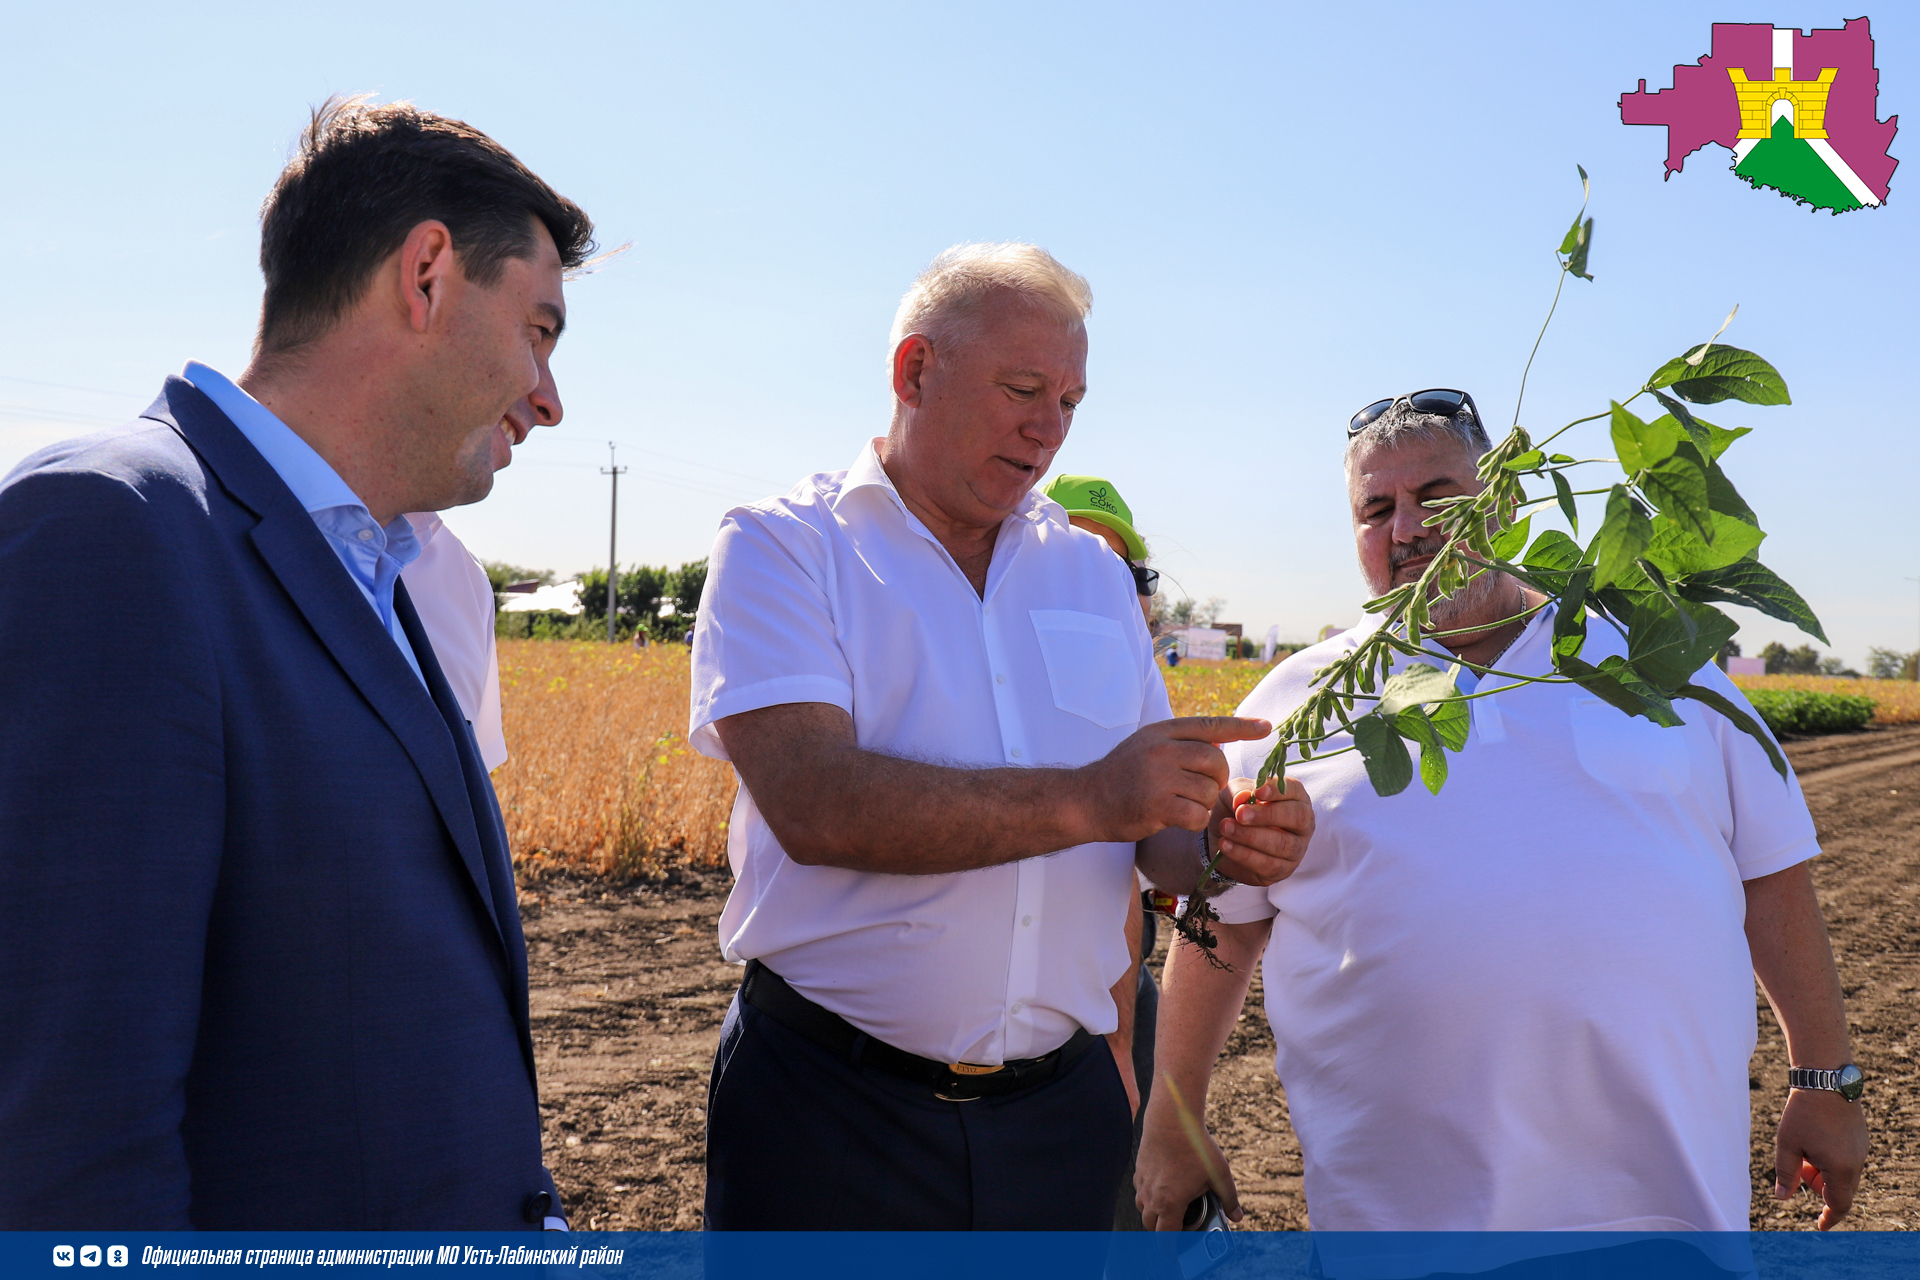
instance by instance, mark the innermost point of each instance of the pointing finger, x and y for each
(1218, 729)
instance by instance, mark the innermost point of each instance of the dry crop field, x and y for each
(601, 778)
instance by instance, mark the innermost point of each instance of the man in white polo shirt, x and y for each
(941, 701)
(1525, 1004)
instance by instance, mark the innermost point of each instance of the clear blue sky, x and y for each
(1285, 212)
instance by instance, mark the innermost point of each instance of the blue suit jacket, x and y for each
(260, 959)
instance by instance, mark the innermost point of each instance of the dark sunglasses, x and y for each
(1145, 581)
(1438, 400)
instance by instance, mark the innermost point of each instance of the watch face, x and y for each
(1851, 1083)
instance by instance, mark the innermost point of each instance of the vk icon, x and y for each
(63, 1255)
(89, 1255)
(116, 1255)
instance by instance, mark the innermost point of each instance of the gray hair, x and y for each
(1402, 423)
(946, 299)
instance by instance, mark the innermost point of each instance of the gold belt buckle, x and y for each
(967, 1069)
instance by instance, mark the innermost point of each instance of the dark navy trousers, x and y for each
(800, 1139)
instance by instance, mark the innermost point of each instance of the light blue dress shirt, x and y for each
(373, 554)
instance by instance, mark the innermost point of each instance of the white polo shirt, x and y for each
(1527, 1003)
(836, 593)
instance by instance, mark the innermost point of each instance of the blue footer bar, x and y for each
(84, 1255)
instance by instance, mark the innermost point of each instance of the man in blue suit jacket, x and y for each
(260, 958)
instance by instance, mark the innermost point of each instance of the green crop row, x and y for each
(1804, 711)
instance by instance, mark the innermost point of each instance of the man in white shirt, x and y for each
(1525, 1003)
(927, 679)
(451, 593)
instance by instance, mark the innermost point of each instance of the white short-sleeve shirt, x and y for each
(836, 593)
(1526, 1003)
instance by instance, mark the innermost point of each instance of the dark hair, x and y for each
(365, 176)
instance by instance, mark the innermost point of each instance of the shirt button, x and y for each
(999, 677)
(366, 535)
(1026, 920)
(1016, 1008)
(1015, 753)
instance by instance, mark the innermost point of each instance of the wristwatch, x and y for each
(1847, 1081)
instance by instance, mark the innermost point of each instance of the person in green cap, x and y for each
(1093, 504)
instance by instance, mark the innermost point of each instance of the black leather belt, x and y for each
(768, 992)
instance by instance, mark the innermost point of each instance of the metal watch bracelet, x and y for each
(1847, 1081)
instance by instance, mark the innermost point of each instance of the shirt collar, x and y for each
(425, 525)
(866, 472)
(316, 484)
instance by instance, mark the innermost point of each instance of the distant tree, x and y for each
(501, 575)
(1782, 661)
(1731, 649)
(644, 591)
(1208, 614)
(1891, 664)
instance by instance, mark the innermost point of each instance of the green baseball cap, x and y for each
(1097, 499)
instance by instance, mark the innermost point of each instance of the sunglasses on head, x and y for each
(1437, 400)
(1145, 581)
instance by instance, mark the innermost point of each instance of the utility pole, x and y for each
(613, 541)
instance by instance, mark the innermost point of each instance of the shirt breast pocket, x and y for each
(1628, 753)
(1091, 666)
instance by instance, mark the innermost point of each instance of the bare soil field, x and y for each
(629, 991)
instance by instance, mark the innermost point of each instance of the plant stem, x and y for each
(1561, 284)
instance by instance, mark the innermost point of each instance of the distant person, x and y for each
(952, 747)
(454, 599)
(260, 957)
(1526, 1003)
(1094, 504)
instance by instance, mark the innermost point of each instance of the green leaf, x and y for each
(1570, 619)
(1622, 539)
(1741, 721)
(1571, 241)
(1724, 498)
(1583, 244)
(1722, 437)
(1614, 683)
(1560, 459)
(1678, 486)
(1526, 461)
(1722, 373)
(1641, 444)
(1412, 723)
(1750, 583)
(1668, 640)
(1658, 707)
(1510, 541)
(1450, 719)
(1565, 494)
(1433, 767)
(1553, 550)
(1695, 429)
(1680, 552)
(1389, 767)
(1414, 684)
